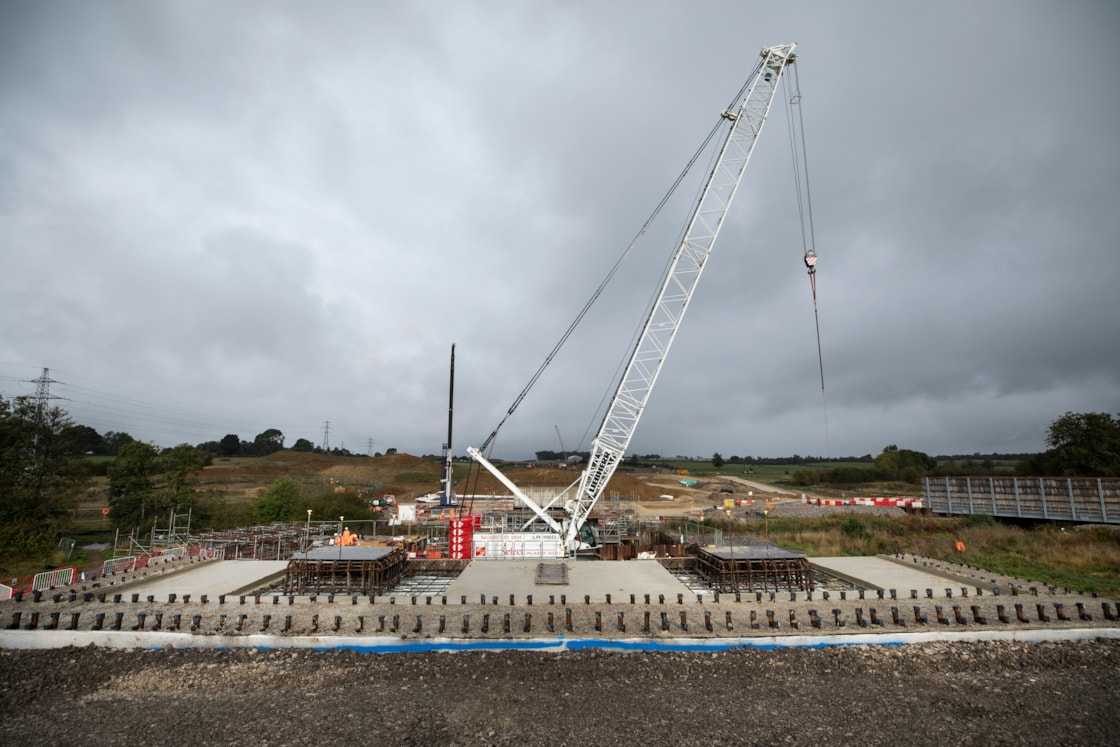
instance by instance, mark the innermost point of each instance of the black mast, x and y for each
(448, 467)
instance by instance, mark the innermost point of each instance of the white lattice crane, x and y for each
(744, 124)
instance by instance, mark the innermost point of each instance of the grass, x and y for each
(1084, 558)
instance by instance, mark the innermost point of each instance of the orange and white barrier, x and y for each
(898, 502)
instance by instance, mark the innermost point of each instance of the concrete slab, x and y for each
(213, 579)
(883, 573)
(501, 578)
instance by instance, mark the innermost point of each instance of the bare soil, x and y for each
(919, 694)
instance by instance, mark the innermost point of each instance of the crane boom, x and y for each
(609, 446)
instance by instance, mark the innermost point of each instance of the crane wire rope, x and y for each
(796, 129)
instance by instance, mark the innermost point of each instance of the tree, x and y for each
(230, 445)
(904, 464)
(717, 460)
(39, 474)
(114, 440)
(302, 444)
(130, 484)
(78, 440)
(268, 442)
(175, 465)
(279, 502)
(1081, 445)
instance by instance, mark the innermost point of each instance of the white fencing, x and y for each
(110, 567)
(51, 579)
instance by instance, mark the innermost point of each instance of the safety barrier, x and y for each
(51, 579)
(897, 502)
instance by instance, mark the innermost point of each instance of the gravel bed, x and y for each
(923, 694)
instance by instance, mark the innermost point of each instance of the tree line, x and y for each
(1080, 445)
(45, 466)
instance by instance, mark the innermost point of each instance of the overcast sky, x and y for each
(220, 218)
